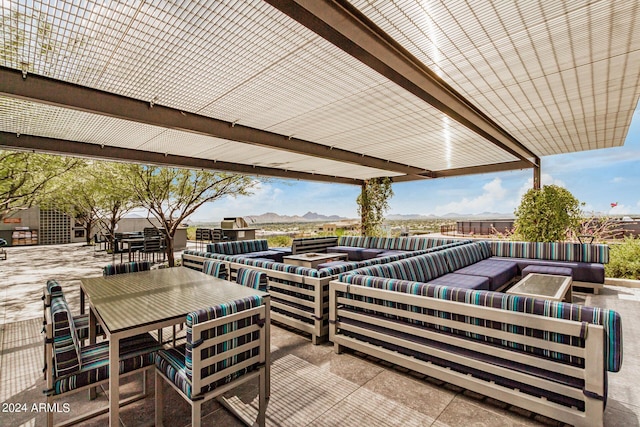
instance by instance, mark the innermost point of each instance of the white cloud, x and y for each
(617, 179)
(492, 199)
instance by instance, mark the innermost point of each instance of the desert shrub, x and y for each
(279, 241)
(191, 232)
(624, 259)
(549, 214)
(602, 229)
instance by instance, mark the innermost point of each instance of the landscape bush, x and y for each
(191, 232)
(279, 241)
(624, 259)
(549, 214)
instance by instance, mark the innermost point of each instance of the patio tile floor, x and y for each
(311, 385)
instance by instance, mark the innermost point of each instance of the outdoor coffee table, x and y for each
(547, 286)
(135, 303)
(312, 259)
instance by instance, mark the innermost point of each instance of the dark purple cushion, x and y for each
(369, 253)
(582, 271)
(353, 253)
(498, 272)
(462, 281)
(547, 269)
(271, 255)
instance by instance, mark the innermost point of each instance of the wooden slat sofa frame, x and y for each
(312, 244)
(518, 350)
(300, 295)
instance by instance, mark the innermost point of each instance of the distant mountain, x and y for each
(272, 217)
(400, 217)
(312, 216)
(487, 215)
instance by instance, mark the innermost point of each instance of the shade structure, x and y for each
(316, 89)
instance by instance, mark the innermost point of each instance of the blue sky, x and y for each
(597, 178)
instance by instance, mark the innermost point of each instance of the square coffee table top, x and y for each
(548, 286)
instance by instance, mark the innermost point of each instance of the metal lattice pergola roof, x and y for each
(326, 90)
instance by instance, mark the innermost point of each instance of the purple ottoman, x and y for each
(547, 269)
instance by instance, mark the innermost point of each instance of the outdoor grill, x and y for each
(233, 223)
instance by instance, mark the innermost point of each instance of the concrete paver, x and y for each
(364, 388)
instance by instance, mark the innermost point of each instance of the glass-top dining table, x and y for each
(129, 304)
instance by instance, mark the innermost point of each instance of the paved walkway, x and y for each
(311, 386)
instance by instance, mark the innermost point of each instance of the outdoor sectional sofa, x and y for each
(363, 248)
(437, 314)
(300, 295)
(585, 260)
(467, 265)
(258, 248)
(550, 358)
(464, 265)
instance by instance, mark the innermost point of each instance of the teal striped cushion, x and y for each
(463, 255)
(609, 319)
(555, 251)
(81, 321)
(54, 289)
(421, 268)
(396, 243)
(171, 362)
(126, 267)
(214, 268)
(238, 247)
(351, 241)
(252, 278)
(135, 352)
(65, 339)
(177, 364)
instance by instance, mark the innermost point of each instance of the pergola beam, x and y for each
(67, 95)
(346, 27)
(472, 170)
(81, 149)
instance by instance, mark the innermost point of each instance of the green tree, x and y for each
(548, 214)
(373, 202)
(171, 194)
(97, 193)
(27, 178)
(115, 195)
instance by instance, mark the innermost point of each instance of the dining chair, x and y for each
(51, 291)
(70, 368)
(215, 268)
(125, 267)
(252, 278)
(226, 347)
(151, 246)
